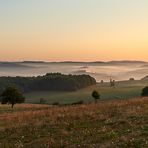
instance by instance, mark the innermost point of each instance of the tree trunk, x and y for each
(12, 105)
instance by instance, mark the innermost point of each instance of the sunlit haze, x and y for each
(78, 30)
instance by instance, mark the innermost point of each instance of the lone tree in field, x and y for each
(144, 92)
(12, 96)
(112, 82)
(95, 95)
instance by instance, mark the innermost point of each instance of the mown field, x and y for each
(107, 124)
(122, 90)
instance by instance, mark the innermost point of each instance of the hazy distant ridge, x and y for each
(99, 62)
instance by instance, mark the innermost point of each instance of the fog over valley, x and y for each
(118, 70)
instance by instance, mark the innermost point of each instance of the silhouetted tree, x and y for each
(131, 79)
(144, 91)
(95, 95)
(112, 82)
(12, 96)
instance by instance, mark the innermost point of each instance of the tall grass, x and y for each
(118, 123)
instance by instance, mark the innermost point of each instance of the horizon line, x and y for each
(77, 61)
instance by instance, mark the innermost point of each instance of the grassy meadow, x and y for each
(107, 124)
(122, 90)
(119, 119)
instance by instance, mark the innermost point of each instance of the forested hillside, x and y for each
(50, 81)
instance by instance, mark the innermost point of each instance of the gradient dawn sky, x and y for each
(83, 30)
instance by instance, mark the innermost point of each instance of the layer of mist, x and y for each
(118, 70)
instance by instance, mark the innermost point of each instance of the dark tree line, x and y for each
(48, 82)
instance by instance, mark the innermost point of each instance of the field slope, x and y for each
(122, 90)
(107, 124)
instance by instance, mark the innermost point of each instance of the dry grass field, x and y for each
(107, 124)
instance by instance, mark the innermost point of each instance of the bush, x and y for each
(78, 103)
(144, 91)
(131, 79)
(56, 103)
(42, 101)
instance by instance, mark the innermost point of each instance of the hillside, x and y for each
(48, 82)
(122, 90)
(106, 124)
(145, 78)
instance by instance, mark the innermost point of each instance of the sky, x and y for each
(73, 30)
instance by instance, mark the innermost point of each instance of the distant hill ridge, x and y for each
(99, 62)
(145, 78)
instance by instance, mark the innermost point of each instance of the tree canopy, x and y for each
(144, 91)
(48, 82)
(12, 95)
(95, 95)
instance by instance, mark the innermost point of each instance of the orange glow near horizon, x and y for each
(82, 31)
